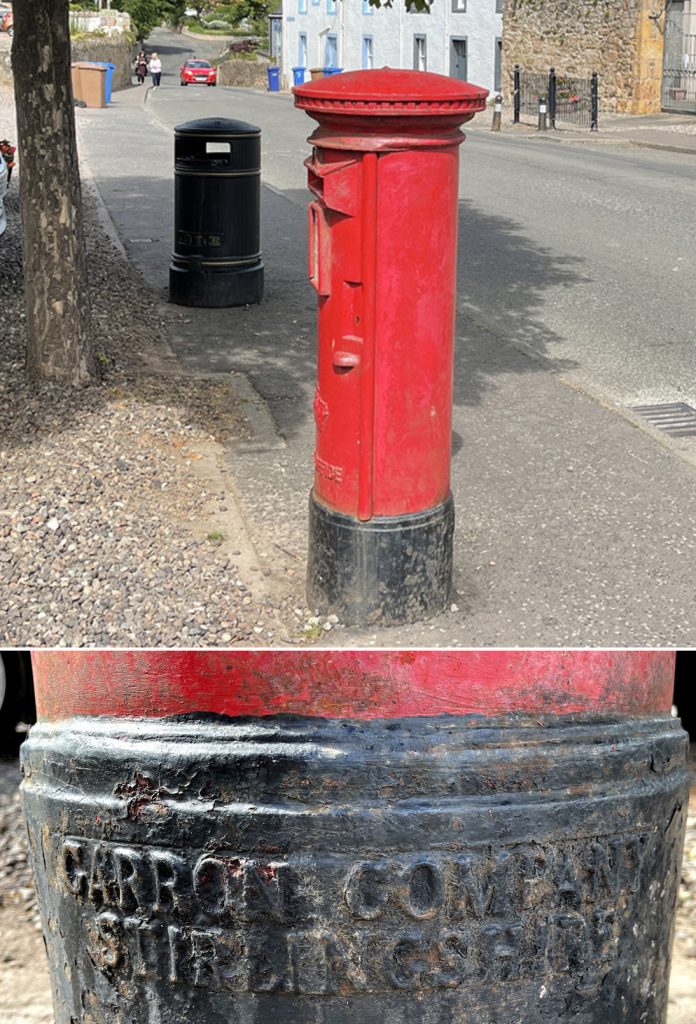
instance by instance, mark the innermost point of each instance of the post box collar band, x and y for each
(351, 684)
(391, 92)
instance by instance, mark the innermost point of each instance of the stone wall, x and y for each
(616, 38)
(118, 50)
(247, 74)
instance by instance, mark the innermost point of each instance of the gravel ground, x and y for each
(118, 525)
(24, 981)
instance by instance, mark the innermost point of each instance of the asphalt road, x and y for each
(583, 255)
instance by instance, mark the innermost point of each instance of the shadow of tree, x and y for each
(503, 281)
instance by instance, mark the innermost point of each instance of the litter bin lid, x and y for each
(214, 127)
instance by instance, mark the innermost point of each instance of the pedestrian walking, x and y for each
(141, 67)
(155, 70)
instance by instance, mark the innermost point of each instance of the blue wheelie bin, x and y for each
(110, 68)
(332, 71)
(273, 79)
(298, 75)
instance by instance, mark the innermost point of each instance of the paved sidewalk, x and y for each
(674, 133)
(573, 526)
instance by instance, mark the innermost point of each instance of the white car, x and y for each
(3, 190)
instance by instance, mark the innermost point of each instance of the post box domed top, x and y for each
(214, 127)
(391, 92)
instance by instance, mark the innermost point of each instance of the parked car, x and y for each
(6, 22)
(199, 72)
(17, 704)
(3, 190)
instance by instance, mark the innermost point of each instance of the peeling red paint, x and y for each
(351, 684)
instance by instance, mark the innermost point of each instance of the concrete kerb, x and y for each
(242, 395)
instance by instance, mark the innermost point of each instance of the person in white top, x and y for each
(155, 70)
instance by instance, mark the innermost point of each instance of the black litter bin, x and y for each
(216, 259)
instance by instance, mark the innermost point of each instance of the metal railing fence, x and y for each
(568, 98)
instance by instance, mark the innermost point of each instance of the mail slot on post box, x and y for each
(382, 258)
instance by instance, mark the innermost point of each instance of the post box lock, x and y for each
(346, 360)
(347, 354)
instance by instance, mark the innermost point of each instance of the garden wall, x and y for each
(577, 37)
(245, 74)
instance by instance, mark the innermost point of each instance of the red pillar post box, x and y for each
(408, 836)
(382, 258)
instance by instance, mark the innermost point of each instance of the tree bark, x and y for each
(58, 315)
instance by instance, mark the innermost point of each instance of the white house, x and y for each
(462, 38)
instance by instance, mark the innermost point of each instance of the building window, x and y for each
(301, 6)
(315, 3)
(498, 66)
(276, 38)
(330, 6)
(499, 6)
(459, 6)
(331, 52)
(420, 60)
(302, 50)
(367, 53)
(367, 9)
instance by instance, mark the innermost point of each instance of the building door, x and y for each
(679, 63)
(459, 64)
(498, 65)
(420, 57)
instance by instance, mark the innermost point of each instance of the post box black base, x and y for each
(421, 870)
(212, 287)
(390, 570)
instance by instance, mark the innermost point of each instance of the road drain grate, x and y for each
(676, 418)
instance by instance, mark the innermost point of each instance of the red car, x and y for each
(201, 72)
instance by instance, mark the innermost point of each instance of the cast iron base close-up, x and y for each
(388, 570)
(191, 284)
(274, 871)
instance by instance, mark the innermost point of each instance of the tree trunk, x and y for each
(58, 315)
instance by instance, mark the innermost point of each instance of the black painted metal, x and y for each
(552, 98)
(594, 102)
(570, 99)
(274, 871)
(389, 569)
(217, 259)
(679, 65)
(516, 95)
